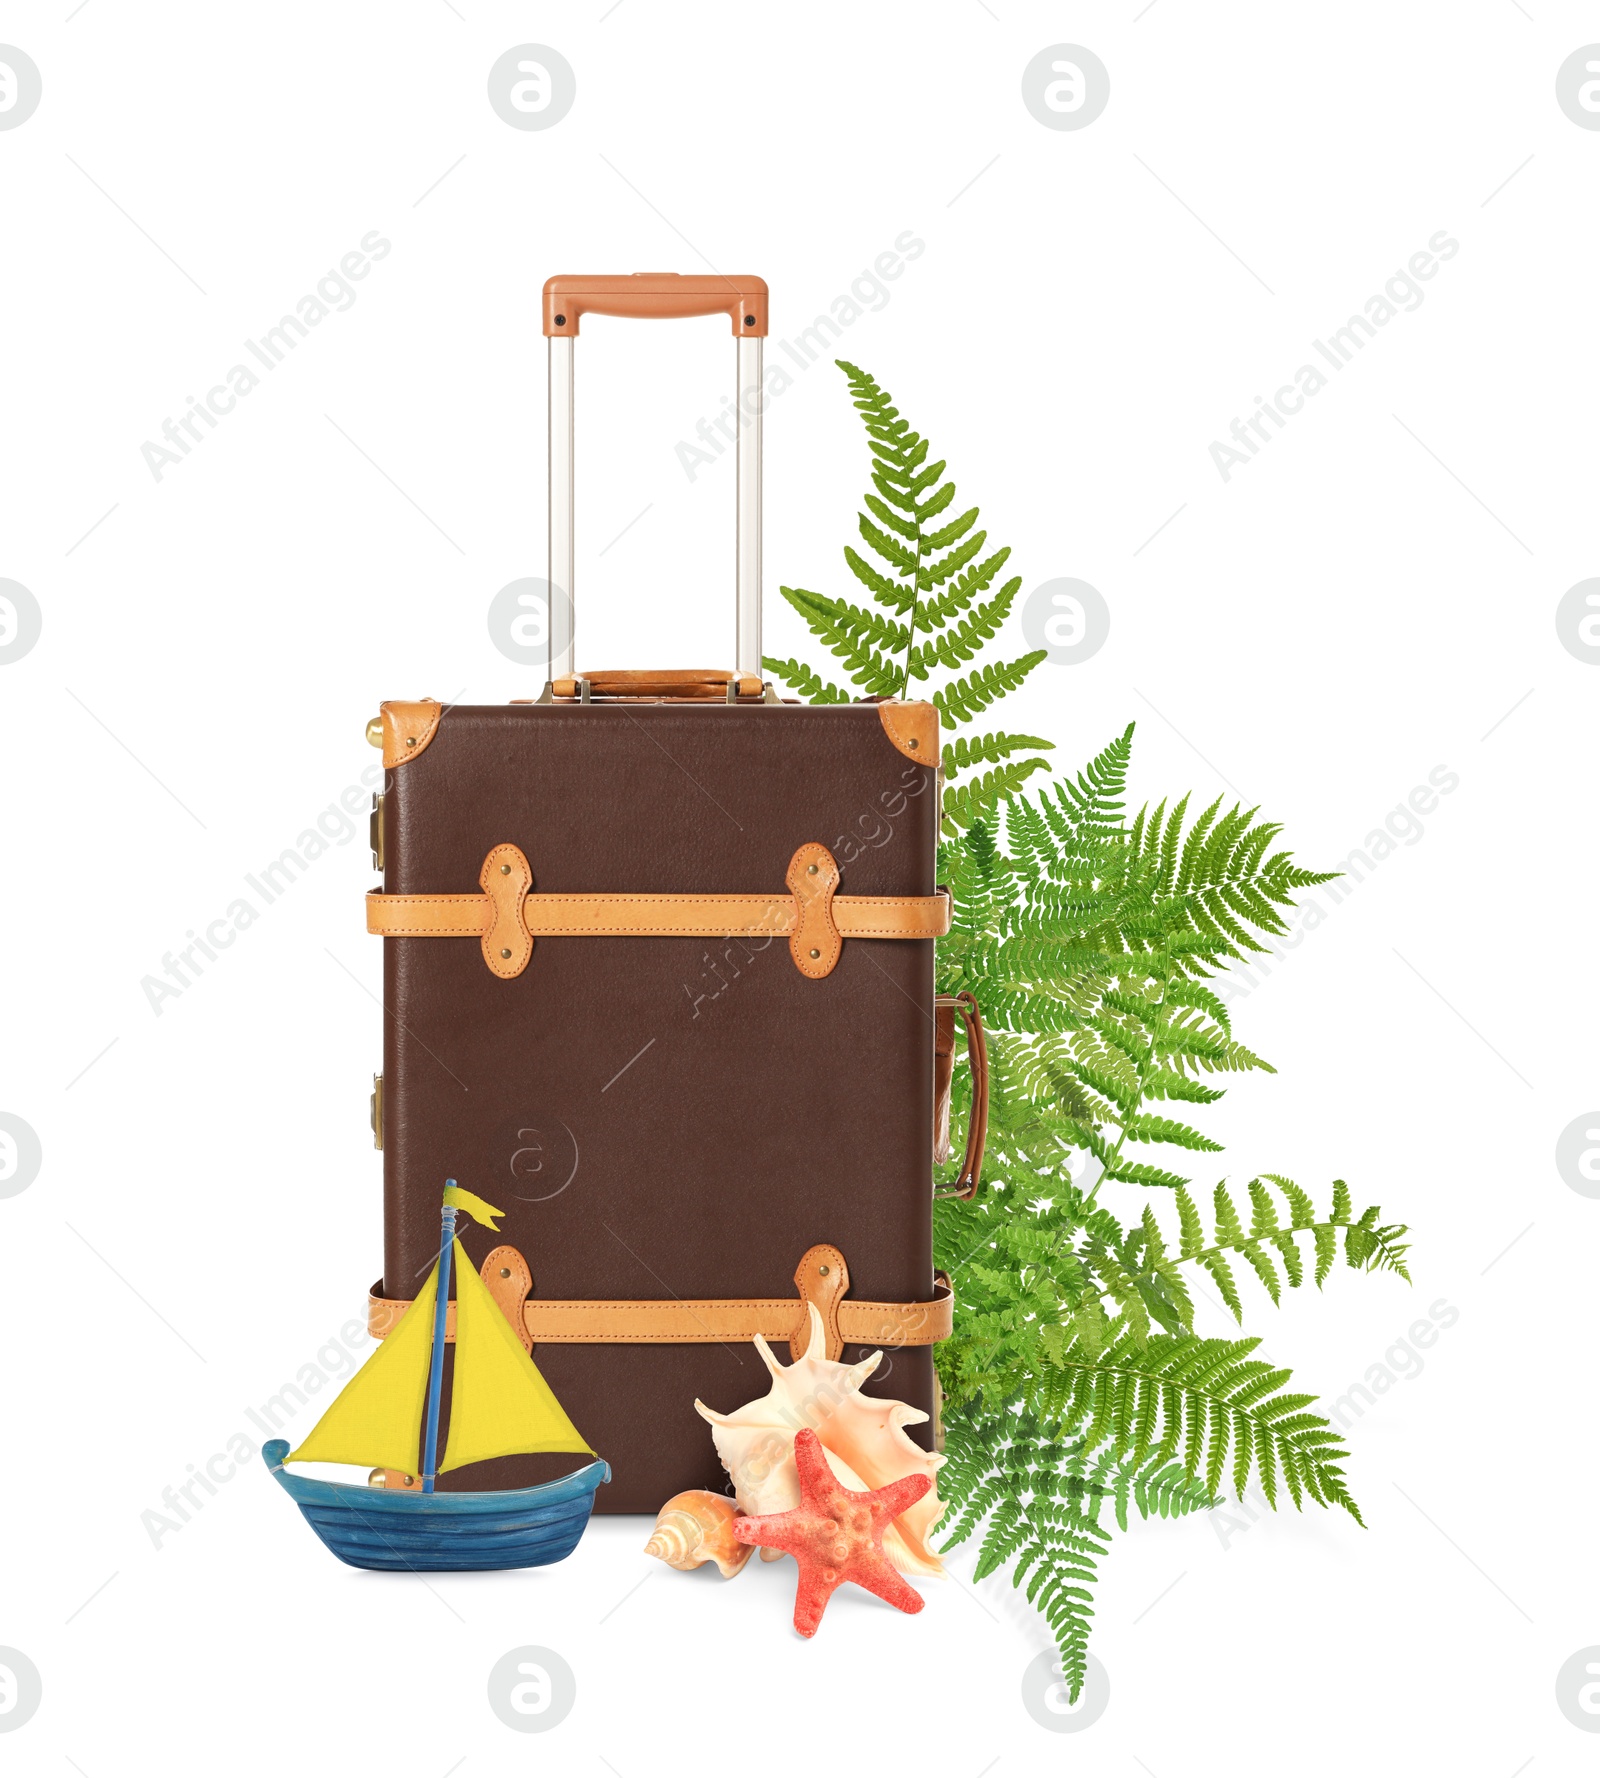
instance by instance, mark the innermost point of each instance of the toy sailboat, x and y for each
(500, 1407)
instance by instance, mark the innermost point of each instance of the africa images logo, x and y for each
(335, 292)
(1402, 293)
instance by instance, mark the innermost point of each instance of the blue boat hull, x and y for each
(429, 1533)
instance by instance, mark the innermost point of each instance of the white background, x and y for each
(1372, 597)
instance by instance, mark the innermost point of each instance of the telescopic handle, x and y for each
(655, 296)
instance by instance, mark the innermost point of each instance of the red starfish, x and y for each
(836, 1534)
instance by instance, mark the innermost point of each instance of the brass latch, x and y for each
(375, 832)
(377, 1111)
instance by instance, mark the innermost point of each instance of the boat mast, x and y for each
(441, 1308)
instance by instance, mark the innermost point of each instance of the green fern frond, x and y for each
(934, 614)
(918, 564)
(966, 698)
(1164, 1489)
(1142, 1173)
(899, 598)
(935, 573)
(966, 803)
(1208, 1401)
(801, 678)
(987, 750)
(958, 527)
(1268, 1245)
(855, 625)
(1214, 880)
(1145, 1126)
(885, 513)
(1073, 1380)
(1042, 1514)
(957, 645)
(1168, 1083)
(850, 632)
(899, 557)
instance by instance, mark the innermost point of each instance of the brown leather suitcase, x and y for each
(658, 980)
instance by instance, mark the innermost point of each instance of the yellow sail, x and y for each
(499, 1404)
(376, 1420)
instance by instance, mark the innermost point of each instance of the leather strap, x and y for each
(814, 937)
(506, 1274)
(602, 915)
(505, 881)
(945, 1009)
(707, 1321)
(671, 685)
(822, 1278)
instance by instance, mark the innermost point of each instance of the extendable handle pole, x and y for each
(747, 570)
(560, 620)
(657, 296)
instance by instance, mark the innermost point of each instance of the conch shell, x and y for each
(696, 1527)
(862, 1437)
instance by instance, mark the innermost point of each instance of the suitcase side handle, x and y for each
(946, 1007)
(656, 295)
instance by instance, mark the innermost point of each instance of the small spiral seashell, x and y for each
(696, 1527)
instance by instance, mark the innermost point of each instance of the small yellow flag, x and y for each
(459, 1198)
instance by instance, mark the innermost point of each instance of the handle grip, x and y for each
(944, 1032)
(655, 296)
